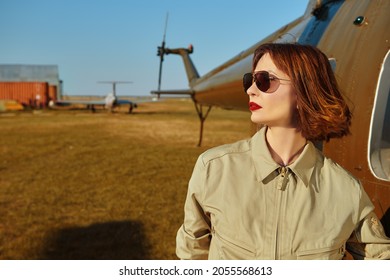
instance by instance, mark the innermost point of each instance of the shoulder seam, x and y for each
(221, 151)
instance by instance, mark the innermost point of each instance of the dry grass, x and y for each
(82, 185)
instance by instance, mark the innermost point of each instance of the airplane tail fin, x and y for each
(109, 100)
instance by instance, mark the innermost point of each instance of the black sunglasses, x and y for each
(264, 81)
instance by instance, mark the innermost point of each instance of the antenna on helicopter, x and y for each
(160, 53)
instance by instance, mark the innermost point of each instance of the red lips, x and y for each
(254, 106)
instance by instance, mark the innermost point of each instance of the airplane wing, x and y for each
(110, 102)
(107, 102)
(175, 92)
(134, 104)
(79, 102)
(121, 101)
(137, 100)
(178, 91)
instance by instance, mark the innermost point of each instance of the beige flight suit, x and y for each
(242, 205)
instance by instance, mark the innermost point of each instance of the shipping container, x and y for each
(31, 73)
(29, 94)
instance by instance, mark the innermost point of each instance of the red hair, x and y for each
(323, 112)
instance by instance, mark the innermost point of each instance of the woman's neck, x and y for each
(284, 144)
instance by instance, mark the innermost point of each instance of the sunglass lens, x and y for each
(247, 81)
(262, 81)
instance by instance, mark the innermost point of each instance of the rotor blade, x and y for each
(161, 52)
(161, 62)
(166, 25)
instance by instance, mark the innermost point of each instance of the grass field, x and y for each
(82, 185)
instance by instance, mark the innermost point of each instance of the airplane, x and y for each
(355, 34)
(109, 102)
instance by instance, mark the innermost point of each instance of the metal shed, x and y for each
(30, 85)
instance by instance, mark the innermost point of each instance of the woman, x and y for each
(275, 196)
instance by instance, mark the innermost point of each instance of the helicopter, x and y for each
(355, 35)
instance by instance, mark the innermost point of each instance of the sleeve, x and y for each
(193, 237)
(368, 241)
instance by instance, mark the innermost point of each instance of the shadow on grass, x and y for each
(122, 240)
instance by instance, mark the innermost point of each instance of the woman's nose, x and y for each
(252, 90)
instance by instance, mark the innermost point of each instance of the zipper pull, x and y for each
(283, 171)
(283, 178)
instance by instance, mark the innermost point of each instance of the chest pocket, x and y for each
(228, 248)
(329, 253)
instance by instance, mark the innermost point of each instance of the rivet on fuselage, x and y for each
(360, 20)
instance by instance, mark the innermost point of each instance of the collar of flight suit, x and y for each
(302, 167)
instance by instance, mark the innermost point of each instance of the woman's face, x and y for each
(274, 109)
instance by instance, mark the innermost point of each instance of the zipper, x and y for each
(282, 183)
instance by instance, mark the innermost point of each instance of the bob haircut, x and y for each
(322, 111)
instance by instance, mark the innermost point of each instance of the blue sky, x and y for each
(96, 40)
